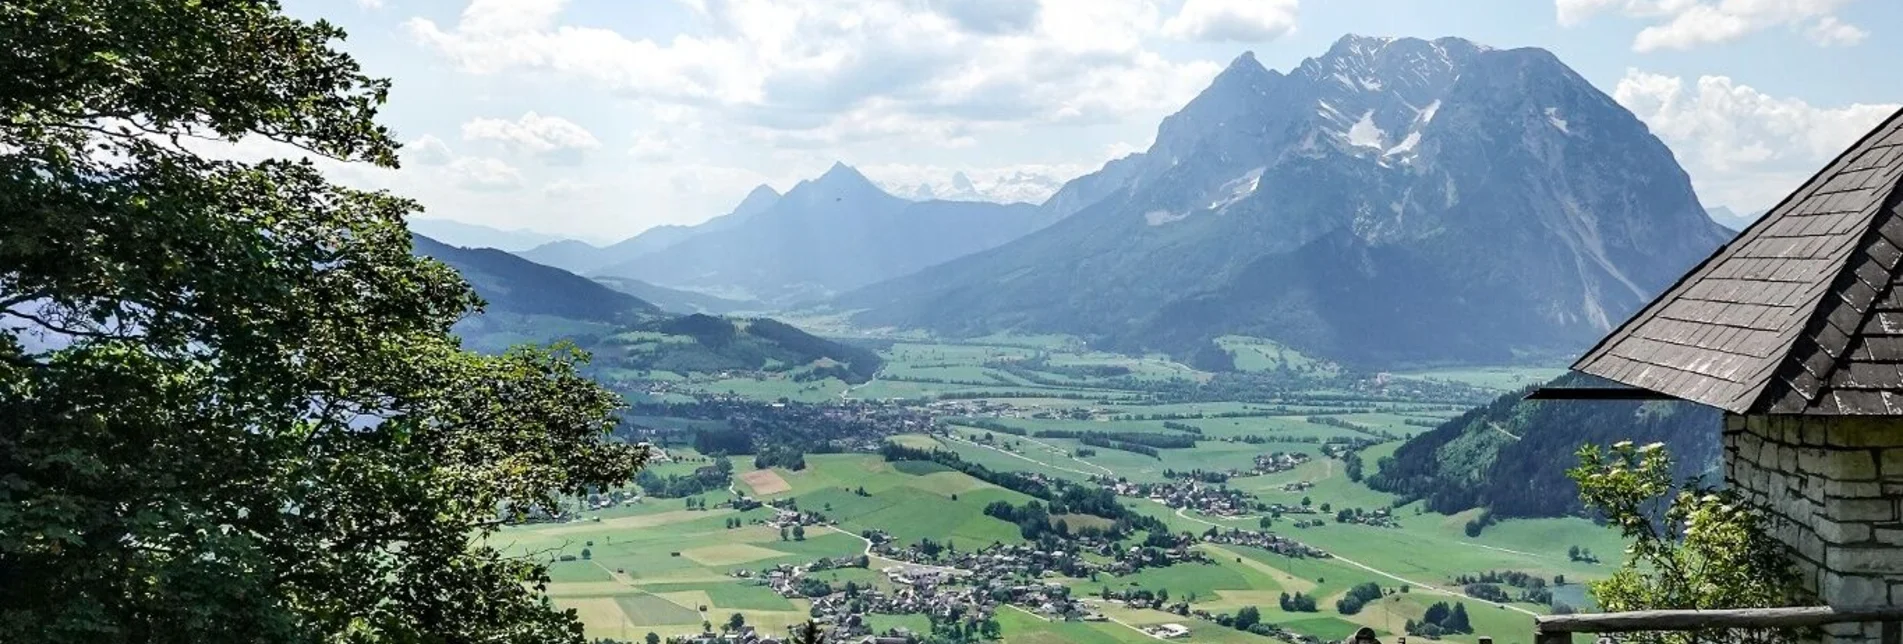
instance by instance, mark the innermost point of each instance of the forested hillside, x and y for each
(1512, 454)
(511, 284)
(707, 344)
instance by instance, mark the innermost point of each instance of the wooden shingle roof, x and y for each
(1800, 314)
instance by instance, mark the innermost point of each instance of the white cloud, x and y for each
(989, 16)
(1829, 31)
(551, 137)
(1232, 20)
(427, 150)
(485, 174)
(370, 4)
(651, 146)
(1743, 148)
(1685, 24)
(819, 72)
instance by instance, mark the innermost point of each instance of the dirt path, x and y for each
(1500, 549)
(1067, 454)
(1022, 457)
(869, 555)
(1496, 427)
(1120, 622)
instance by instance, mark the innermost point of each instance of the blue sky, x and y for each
(600, 118)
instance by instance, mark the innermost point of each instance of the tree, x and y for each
(1247, 617)
(235, 411)
(808, 633)
(586, 554)
(652, 638)
(1458, 622)
(784, 534)
(736, 622)
(1697, 548)
(799, 532)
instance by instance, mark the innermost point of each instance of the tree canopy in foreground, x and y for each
(234, 411)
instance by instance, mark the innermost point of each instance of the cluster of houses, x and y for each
(1338, 448)
(1279, 462)
(1379, 518)
(1214, 500)
(1000, 576)
(1269, 541)
(1167, 631)
(853, 631)
(787, 515)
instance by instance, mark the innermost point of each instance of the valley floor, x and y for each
(655, 565)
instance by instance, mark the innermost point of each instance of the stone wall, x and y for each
(1831, 488)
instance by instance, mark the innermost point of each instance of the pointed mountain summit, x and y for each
(757, 200)
(1391, 201)
(1801, 314)
(841, 177)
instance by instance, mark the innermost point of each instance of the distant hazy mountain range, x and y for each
(1388, 201)
(1730, 219)
(585, 258)
(832, 233)
(456, 233)
(1017, 187)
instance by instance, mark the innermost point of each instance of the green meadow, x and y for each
(654, 566)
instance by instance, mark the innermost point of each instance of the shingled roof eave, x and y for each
(1752, 396)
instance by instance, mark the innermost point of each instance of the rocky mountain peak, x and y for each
(1490, 198)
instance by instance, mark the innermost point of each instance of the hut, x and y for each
(1795, 331)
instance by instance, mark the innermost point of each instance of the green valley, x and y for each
(1230, 485)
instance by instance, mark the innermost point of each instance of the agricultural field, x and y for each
(1026, 405)
(1497, 378)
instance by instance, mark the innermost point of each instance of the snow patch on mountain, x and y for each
(1407, 145)
(1552, 116)
(1238, 188)
(1365, 134)
(1026, 184)
(1160, 217)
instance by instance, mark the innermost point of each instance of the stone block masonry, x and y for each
(1830, 487)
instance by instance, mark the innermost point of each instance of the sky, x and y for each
(597, 119)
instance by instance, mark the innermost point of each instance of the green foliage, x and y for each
(720, 344)
(1247, 618)
(1357, 597)
(235, 411)
(1441, 619)
(1510, 455)
(1692, 548)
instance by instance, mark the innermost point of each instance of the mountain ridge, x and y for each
(584, 258)
(827, 234)
(1466, 165)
